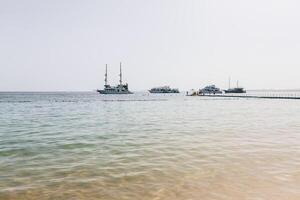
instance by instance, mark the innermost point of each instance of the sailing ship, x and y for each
(119, 89)
(237, 89)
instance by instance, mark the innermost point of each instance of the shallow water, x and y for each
(88, 146)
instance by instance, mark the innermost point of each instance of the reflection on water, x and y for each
(86, 146)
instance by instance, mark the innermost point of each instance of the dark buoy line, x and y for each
(251, 96)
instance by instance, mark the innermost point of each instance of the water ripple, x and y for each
(87, 146)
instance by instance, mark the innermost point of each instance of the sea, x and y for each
(82, 145)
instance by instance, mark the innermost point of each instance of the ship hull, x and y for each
(113, 92)
(210, 92)
(163, 92)
(234, 92)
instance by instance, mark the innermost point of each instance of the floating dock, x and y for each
(273, 96)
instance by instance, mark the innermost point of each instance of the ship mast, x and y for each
(229, 82)
(120, 73)
(105, 74)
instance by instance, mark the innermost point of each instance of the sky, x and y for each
(63, 45)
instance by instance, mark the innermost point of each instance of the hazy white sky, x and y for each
(64, 44)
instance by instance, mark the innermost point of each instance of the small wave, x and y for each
(75, 146)
(22, 152)
(16, 101)
(120, 100)
(66, 101)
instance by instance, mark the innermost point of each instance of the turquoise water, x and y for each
(144, 146)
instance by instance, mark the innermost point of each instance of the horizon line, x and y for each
(144, 90)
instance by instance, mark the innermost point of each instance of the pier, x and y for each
(263, 96)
